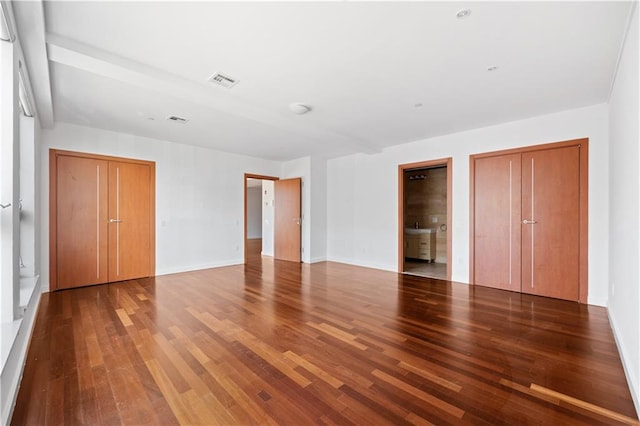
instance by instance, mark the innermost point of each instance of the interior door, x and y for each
(496, 212)
(288, 219)
(129, 220)
(81, 221)
(551, 222)
(102, 219)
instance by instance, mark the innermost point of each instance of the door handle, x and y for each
(529, 222)
(296, 220)
(114, 221)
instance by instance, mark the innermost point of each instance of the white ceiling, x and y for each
(375, 74)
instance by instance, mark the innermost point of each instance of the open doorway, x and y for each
(259, 218)
(424, 206)
(273, 229)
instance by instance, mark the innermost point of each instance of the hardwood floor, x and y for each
(286, 343)
(424, 269)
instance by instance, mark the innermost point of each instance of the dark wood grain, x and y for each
(275, 342)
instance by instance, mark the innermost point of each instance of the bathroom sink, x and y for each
(418, 231)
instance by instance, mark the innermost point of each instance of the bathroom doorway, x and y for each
(424, 217)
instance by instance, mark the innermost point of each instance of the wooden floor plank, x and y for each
(314, 369)
(585, 405)
(284, 343)
(429, 399)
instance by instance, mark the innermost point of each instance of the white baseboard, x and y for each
(633, 386)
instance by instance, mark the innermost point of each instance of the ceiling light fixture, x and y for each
(298, 108)
(463, 13)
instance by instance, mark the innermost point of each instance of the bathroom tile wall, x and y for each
(426, 203)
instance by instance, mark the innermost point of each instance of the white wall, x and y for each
(254, 212)
(624, 225)
(318, 210)
(199, 195)
(362, 190)
(267, 217)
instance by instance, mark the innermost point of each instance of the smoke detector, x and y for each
(299, 109)
(464, 13)
(223, 80)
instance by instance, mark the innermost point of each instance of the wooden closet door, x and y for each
(130, 222)
(81, 221)
(551, 223)
(496, 213)
(288, 219)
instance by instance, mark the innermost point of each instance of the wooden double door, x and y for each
(529, 220)
(102, 219)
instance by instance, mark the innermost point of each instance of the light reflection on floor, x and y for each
(424, 269)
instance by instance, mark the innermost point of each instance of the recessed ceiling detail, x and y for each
(223, 80)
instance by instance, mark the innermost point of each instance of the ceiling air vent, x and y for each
(223, 80)
(177, 119)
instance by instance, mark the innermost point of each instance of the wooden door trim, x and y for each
(53, 173)
(448, 163)
(53, 220)
(541, 147)
(584, 205)
(101, 157)
(584, 220)
(246, 177)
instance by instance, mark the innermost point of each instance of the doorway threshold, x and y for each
(428, 270)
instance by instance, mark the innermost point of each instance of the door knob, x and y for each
(114, 221)
(529, 222)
